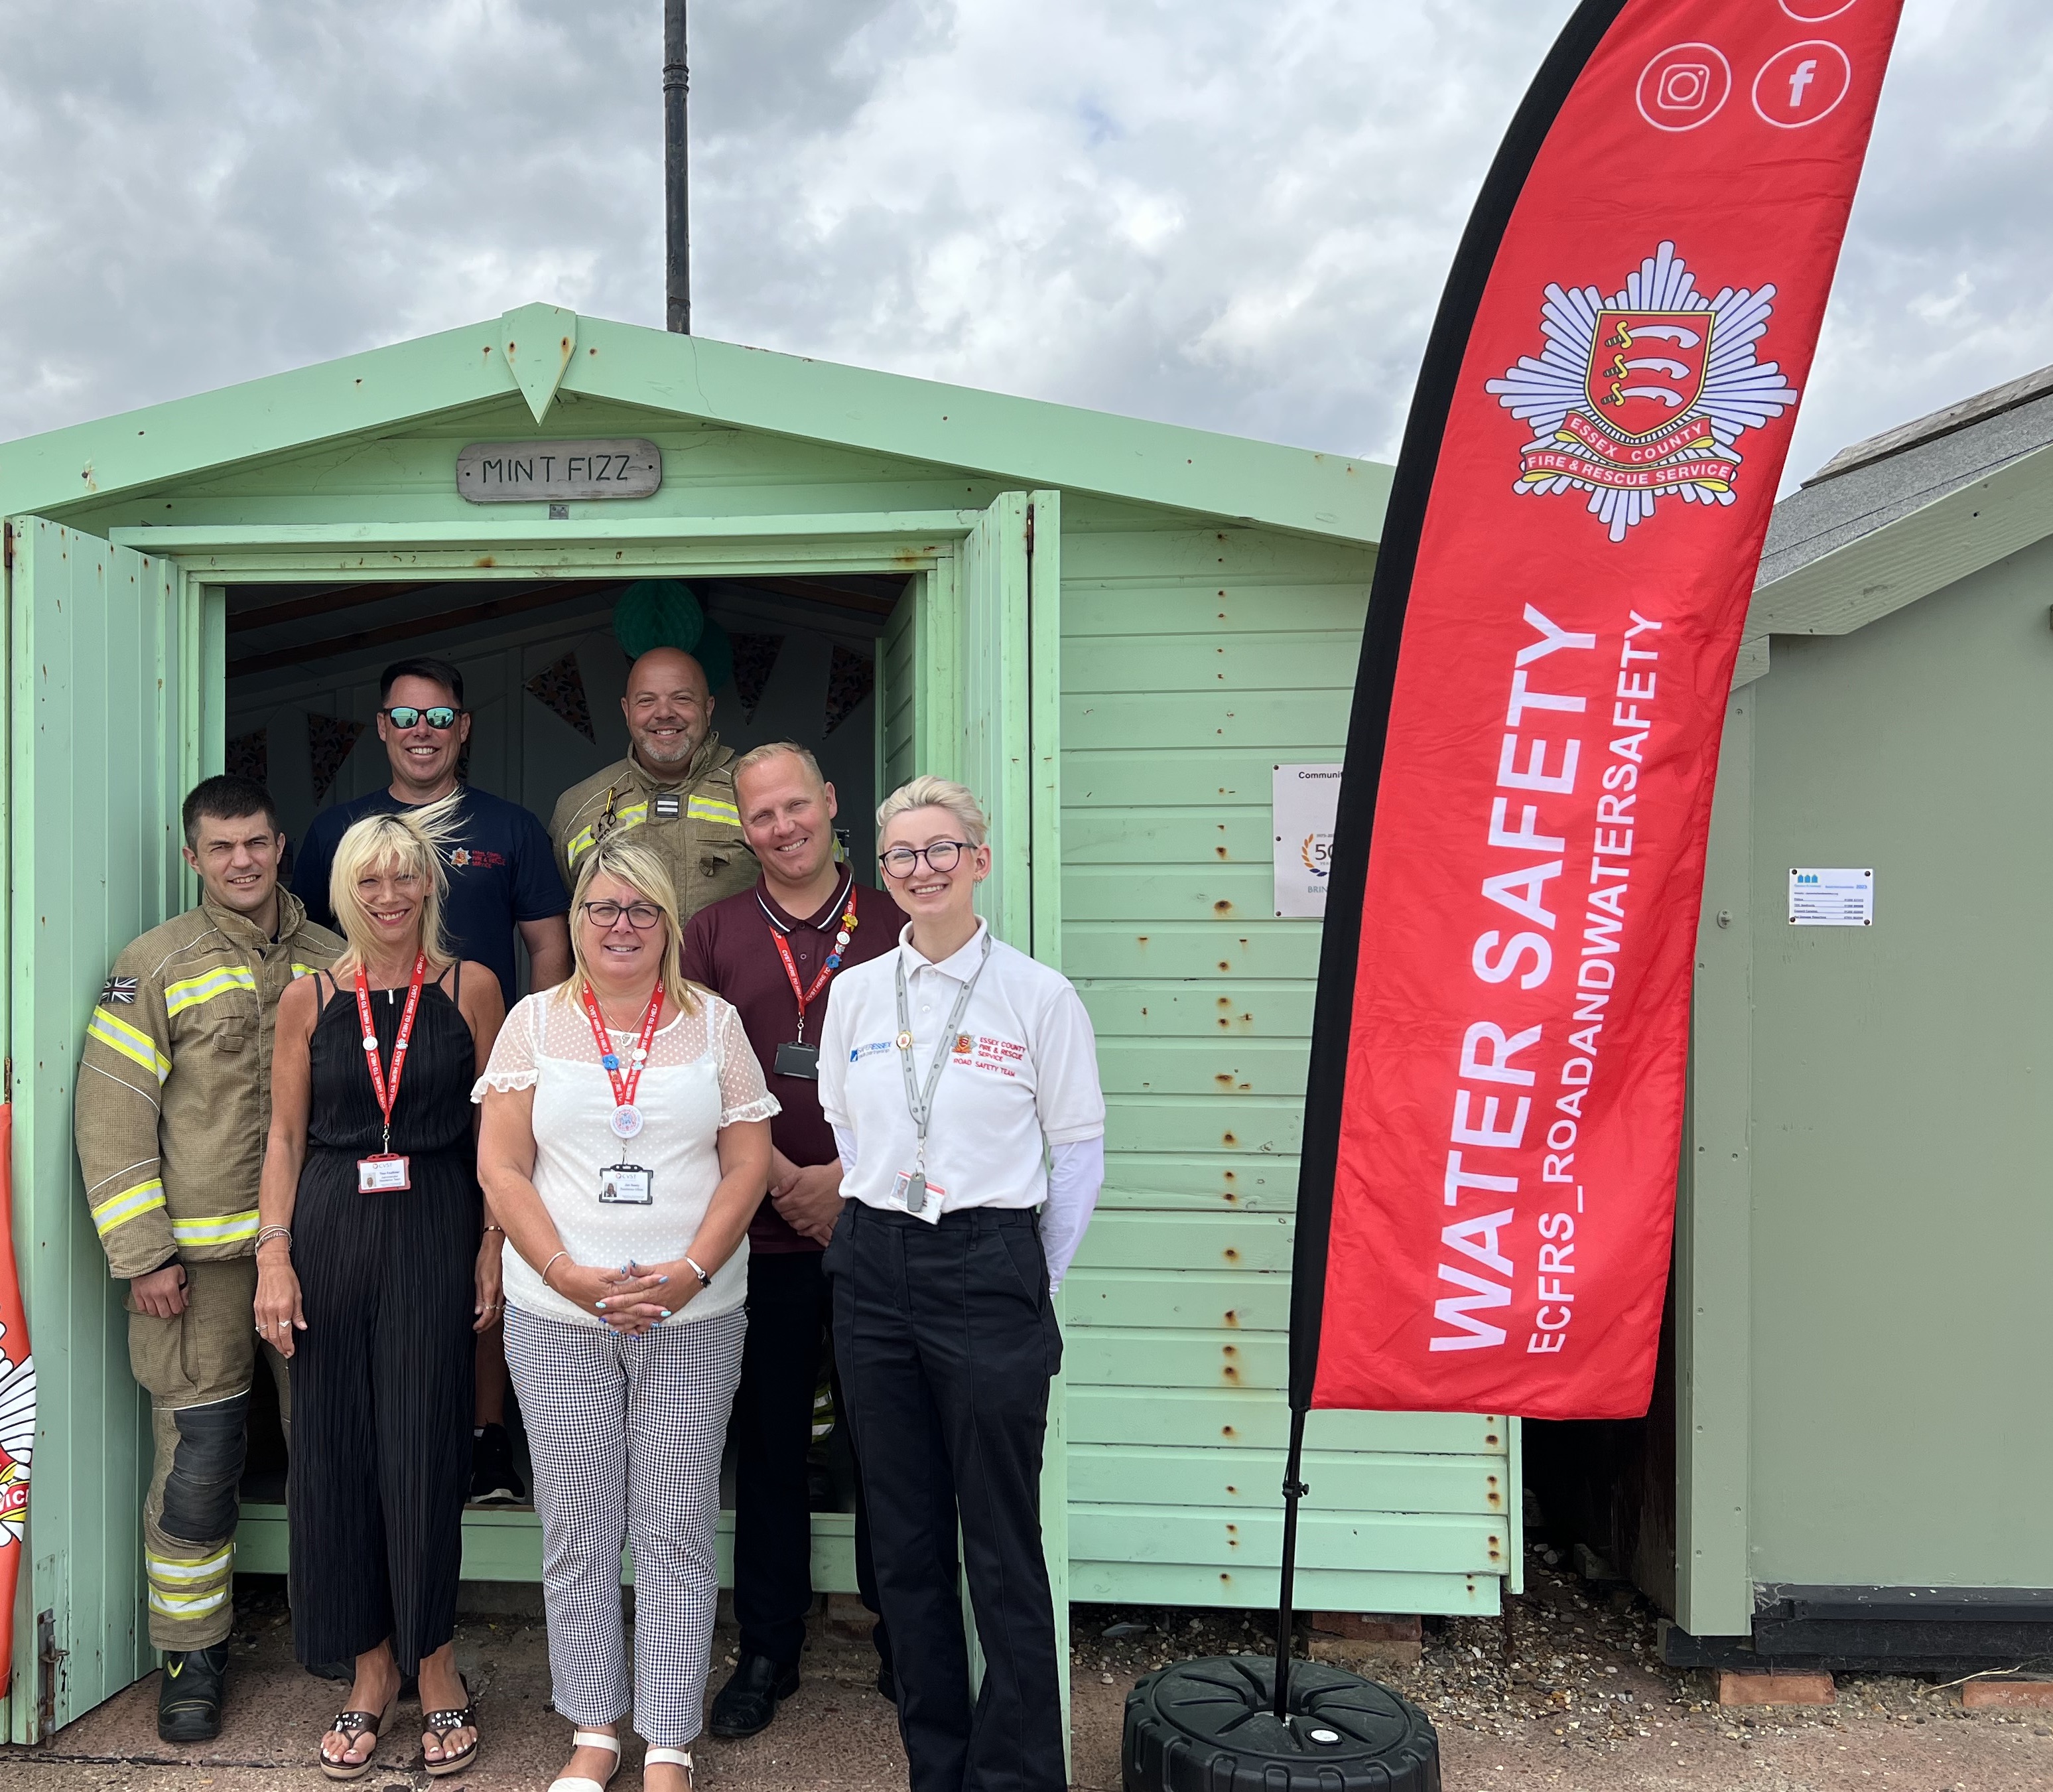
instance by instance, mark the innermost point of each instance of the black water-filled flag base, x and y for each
(1210, 1726)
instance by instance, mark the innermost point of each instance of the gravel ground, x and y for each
(1568, 1689)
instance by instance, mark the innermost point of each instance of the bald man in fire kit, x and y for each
(675, 787)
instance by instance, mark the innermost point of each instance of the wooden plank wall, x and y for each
(1193, 662)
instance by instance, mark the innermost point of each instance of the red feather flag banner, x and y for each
(17, 1407)
(1494, 1108)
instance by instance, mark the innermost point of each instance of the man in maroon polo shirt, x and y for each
(774, 952)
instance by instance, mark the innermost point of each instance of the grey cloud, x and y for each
(1235, 214)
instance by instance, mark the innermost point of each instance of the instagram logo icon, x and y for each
(1685, 86)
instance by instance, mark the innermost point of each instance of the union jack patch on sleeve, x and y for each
(119, 989)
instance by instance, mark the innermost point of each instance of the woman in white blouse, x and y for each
(626, 1143)
(961, 1080)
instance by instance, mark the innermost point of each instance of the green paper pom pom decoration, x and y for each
(715, 652)
(658, 613)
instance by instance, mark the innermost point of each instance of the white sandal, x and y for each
(577, 1782)
(674, 1757)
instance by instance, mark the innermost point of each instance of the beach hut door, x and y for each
(103, 702)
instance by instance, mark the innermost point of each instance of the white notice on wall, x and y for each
(1829, 897)
(1303, 800)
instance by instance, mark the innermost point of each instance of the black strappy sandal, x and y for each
(353, 1725)
(445, 1724)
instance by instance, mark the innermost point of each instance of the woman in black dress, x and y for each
(374, 1270)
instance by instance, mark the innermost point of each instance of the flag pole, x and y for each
(1286, 1618)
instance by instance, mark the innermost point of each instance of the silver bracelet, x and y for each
(549, 1266)
(705, 1281)
(268, 1232)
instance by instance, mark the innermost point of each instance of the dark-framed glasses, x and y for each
(641, 916)
(438, 716)
(942, 855)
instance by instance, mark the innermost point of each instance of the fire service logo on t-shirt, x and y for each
(1643, 394)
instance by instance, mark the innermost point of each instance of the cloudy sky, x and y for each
(1234, 214)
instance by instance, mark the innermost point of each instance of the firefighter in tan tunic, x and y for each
(173, 1108)
(675, 787)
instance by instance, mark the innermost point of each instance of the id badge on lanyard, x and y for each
(387, 1171)
(795, 1057)
(910, 1190)
(625, 1184)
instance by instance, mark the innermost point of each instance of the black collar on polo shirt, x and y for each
(781, 919)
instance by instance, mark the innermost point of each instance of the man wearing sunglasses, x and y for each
(502, 881)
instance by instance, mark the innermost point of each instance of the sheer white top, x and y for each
(702, 1076)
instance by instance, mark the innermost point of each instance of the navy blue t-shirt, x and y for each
(503, 870)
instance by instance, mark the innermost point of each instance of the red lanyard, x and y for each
(826, 970)
(623, 1086)
(388, 1091)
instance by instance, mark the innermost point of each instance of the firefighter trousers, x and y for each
(197, 1370)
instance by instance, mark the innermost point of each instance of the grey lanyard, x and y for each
(920, 1101)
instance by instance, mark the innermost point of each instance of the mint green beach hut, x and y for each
(1114, 630)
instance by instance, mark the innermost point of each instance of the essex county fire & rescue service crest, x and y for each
(1643, 394)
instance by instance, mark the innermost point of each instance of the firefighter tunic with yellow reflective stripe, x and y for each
(174, 1108)
(173, 1101)
(692, 823)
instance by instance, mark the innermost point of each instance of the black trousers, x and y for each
(947, 1341)
(772, 1425)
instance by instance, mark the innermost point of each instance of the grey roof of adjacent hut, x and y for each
(1879, 481)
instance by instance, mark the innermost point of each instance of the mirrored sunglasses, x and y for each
(404, 715)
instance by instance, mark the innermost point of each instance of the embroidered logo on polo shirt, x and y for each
(478, 856)
(869, 1051)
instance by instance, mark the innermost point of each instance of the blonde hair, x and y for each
(619, 855)
(774, 749)
(925, 792)
(412, 840)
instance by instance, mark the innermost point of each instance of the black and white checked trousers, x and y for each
(626, 1434)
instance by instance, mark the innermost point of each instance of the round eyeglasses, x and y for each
(641, 916)
(440, 716)
(942, 855)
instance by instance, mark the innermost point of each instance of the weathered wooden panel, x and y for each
(1249, 1418)
(1322, 659)
(1157, 612)
(1224, 1067)
(1248, 1481)
(1213, 835)
(1098, 1356)
(1225, 1301)
(1157, 1009)
(1430, 1543)
(1164, 775)
(1129, 1583)
(1190, 950)
(1199, 1182)
(1164, 1243)
(1291, 725)
(1141, 892)
(1199, 1123)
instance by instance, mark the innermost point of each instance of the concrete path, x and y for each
(1582, 1707)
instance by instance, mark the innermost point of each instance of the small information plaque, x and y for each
(1828, 897)
(1303, 800)
(559, 472)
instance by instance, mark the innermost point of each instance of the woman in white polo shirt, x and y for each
(961, 1080)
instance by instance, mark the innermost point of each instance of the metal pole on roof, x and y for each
(676, 171)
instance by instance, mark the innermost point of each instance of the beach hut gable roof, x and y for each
(541, 351)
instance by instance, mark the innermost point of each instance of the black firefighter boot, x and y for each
(189, 1694)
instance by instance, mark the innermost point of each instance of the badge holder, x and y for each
(383, 1173)
(626, 1186)
(795, 1057)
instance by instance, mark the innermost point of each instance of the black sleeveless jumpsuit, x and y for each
(382, 1377)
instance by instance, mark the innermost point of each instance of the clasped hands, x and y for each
(631, 1299)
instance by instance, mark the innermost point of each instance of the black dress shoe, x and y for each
(887, 1682)
(189, 1694)
(749, 1700)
